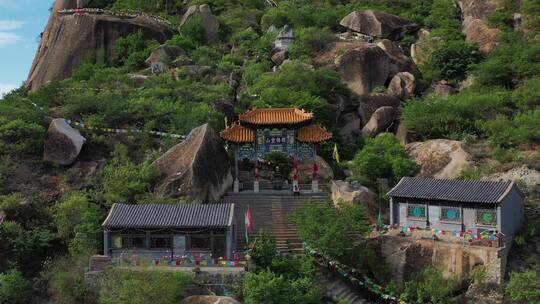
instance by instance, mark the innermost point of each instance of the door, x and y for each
(179, 245)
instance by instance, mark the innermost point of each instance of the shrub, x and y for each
(455, 117)
(523, 128)
(451, 60)
(123, 181)
(516, 58)
(268, 287)
(64, 280)
(14, 288)
(382, 157)
(309, 41)
(20, 137)
(524, 286)
(429, 286)
(141, 287)
(132, 51)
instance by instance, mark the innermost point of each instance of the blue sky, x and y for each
(21, 21)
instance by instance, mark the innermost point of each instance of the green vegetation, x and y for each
(279, 279)
(51, 226)
(382, 157)
(335, 232)
(14, 289)
(524, 286)
(429, 286)
(141, 287)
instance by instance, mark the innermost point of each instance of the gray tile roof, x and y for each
(170, 216)
(473, 191)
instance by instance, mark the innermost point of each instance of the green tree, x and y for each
(382, 157)
(263, 250)
(123, 181)
(524, 286)
(68, 214)
(14, 288)
(336, 232)
(87, 234)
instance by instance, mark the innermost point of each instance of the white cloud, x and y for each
(6, 88)
(8, 25)
(9, 38)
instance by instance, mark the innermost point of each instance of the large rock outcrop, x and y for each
(208, 20)
(62, 143)
(475, 27)
(69, 39)
(380, 121)
(352, 193)
(402, 85)
(196, 169)
(399, 61)
(369, 103)
(209, 300)
(424, 46)
(164, 54)
(439, 158)
(379, 24)
(362, 66)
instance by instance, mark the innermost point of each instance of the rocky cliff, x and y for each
(69, 39)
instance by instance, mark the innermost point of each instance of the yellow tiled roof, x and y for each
(313, 134)
(238, 134)
(275, 116)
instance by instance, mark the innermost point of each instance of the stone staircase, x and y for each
(270, 211)
(337, 290)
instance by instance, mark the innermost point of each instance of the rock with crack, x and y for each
(475, 26)
(208, 21)
(380, 121)
(439, 158)
(399, 62)
(402, 85)
(62, 143)
(196, 169)
(379, 24)
(369, 103)
(362, 66)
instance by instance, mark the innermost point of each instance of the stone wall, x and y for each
(406, 255)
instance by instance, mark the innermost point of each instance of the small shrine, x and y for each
(290, 131)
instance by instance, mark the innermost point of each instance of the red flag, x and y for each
(249, 223)
(315, 169)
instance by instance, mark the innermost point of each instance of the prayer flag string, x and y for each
(118, 131)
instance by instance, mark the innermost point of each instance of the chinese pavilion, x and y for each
(290, 131)
(286, 130)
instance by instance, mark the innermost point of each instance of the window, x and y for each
(416, 211)
(486, 217)
(200, 241)
(117, 242)
(160, 242)
(450, 214)
(138, 241)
